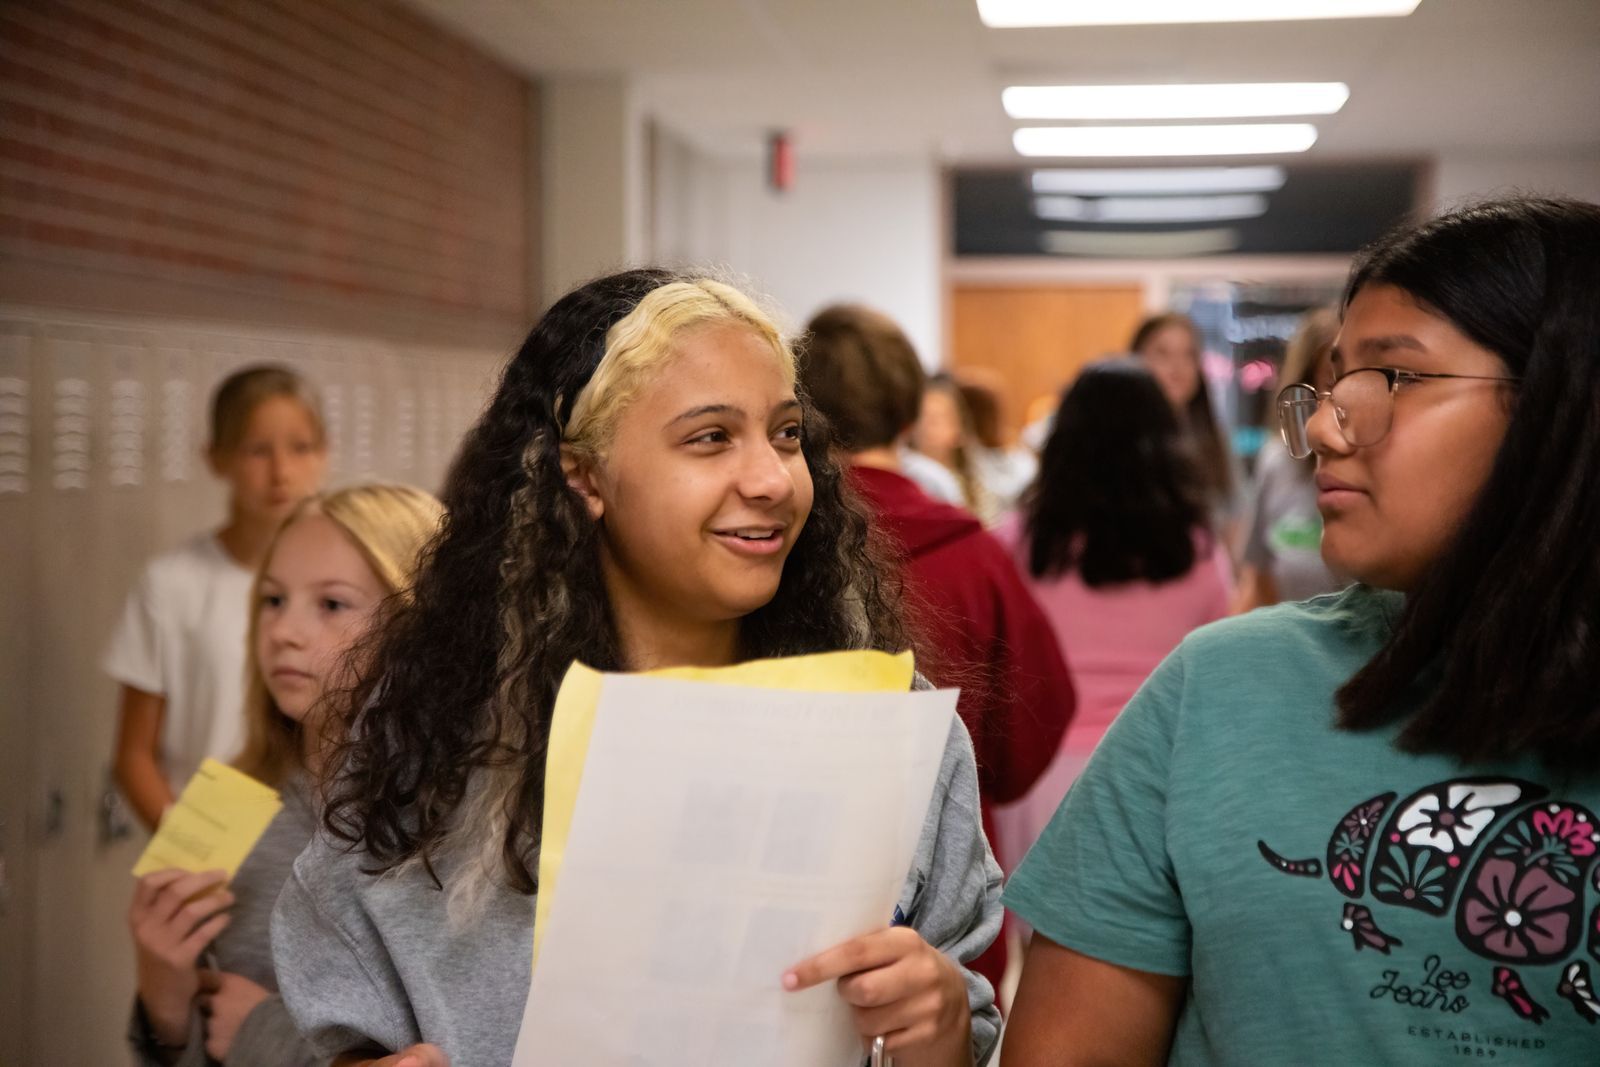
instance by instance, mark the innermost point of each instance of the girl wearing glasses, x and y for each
(1364, 829)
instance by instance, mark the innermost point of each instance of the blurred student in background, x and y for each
(1005, 470)
(321, 587)
(944, 432)
(1282, 556)
(178, 651)
(963, 594)
(1115, 544)
(1171, 346)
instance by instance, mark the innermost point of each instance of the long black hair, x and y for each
(446, 731)
(1115, 497)
(1502, 632)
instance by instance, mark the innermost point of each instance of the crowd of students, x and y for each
(1352, 827)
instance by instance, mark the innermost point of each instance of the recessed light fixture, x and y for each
(1011, 13)
(1098, 102)
(1135, 181)
(1140, 245)
(1151, 208)
(1266, 138)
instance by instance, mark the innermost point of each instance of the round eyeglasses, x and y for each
(1363, 405)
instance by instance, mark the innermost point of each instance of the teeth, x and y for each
(755, 535)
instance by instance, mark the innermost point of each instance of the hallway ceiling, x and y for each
(885, 78)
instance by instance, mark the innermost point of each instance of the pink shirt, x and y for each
(1111, 638)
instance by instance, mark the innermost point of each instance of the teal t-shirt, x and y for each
(1331, 899)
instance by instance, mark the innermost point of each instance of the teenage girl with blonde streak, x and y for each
(646, 489)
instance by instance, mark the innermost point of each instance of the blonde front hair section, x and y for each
(391, 526)
(641, 344)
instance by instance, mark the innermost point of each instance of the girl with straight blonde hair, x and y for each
(1282, 558)
(646, 489)
(333, 570)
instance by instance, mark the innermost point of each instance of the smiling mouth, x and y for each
(755, 534)
(753, 542)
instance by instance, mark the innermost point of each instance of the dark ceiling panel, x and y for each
(1321, 208)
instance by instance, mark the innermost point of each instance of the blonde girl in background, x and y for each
(324, 583)
(1282, 557)
(178, 652)
(945, 432)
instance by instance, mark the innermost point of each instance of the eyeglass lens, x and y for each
(1363, 406)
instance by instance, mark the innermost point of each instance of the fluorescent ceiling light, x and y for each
(1151, 208)
(1009, 13)
(1111, 181)
(1231, 140)
(1174, 101)
(1180, 243)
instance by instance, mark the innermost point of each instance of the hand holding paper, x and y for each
(897, 985)
(173, 917)
(721, 835)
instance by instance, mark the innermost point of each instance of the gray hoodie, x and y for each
(371, 963)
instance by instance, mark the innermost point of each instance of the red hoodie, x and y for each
(988, 637)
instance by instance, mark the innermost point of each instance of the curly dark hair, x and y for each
(1114, 497)
(446, 730)
(1503, 630)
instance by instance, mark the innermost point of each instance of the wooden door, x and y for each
(1028, 341)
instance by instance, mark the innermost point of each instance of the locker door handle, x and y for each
(55, 814)
(5, 875)
(113, 818)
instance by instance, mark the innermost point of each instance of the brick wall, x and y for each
(261, 154)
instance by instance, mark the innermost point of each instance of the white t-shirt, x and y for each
(931, 476)
(182, 636)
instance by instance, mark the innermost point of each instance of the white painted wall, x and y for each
(863, 231)
(592, 181)
(1459, 177)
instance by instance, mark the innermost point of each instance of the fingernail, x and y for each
(791, 980)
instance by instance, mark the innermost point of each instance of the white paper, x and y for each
(722, 835)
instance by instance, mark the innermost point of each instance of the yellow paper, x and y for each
(217, 820)
(572, 723)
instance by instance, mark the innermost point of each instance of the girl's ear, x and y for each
(580, 475)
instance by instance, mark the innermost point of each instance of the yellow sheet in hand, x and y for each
(217, 820)
(572, 722)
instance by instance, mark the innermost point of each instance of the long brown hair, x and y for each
(389, 525)
(1200, 421)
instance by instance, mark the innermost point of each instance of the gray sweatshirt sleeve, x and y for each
(336, 981)
(146, 1053)
(269, 1038)
(952, 897)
